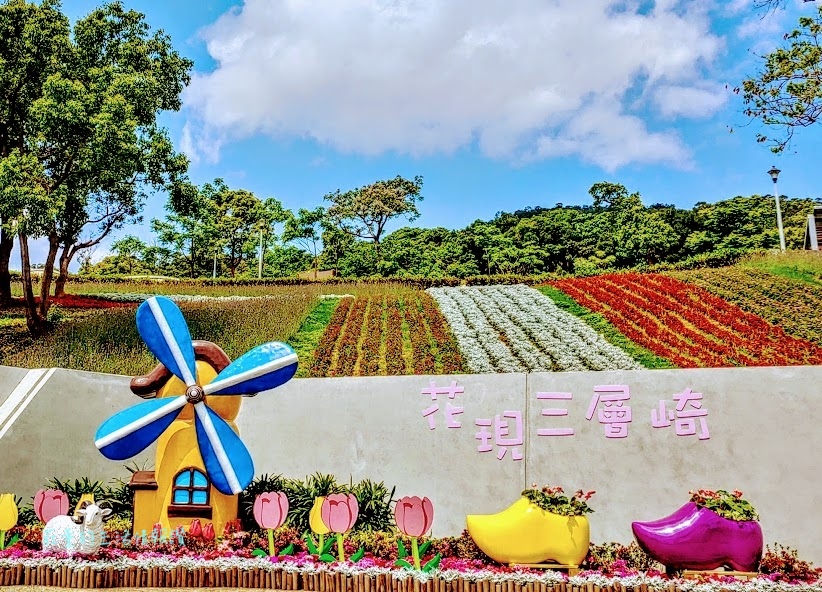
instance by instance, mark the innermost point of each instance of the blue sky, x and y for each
(497, 105)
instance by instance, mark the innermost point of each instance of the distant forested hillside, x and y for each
(616, 231)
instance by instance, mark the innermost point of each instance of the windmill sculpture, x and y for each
(225, 459)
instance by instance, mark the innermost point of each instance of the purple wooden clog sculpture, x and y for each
(695, 537)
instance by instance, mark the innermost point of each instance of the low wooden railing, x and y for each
(181, 577)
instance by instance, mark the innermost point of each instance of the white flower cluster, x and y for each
(519, 329)
(547, 577)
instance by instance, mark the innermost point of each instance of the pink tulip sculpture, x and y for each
(270, 512)
(414, 517)
(339, 513)
(49, 503)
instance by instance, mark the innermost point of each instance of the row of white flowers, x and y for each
(548, 577)
(538, 335)
(479, 344)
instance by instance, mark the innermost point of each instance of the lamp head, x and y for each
(774, 173)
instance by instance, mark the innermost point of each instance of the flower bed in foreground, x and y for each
(165, 571)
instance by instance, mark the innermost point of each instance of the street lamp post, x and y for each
(774, 173)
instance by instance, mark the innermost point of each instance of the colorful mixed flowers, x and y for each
(727, 504)
(551, 499)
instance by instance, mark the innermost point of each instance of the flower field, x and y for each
(699, 318)
(518, 329)
(795, 306)
(687, 324)
(387, 334)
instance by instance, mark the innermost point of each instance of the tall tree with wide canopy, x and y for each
(33, 45)
(81, 145)
(365, 211)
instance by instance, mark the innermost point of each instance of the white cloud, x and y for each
(690, 101)
(602, 136)
(424, 77)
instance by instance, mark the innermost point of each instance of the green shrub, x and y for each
(374, 501)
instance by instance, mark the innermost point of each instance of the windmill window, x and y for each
(190, 494)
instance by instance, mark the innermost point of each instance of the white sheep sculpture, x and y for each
(63, 535)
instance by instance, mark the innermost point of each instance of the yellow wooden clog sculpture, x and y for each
(525, 533)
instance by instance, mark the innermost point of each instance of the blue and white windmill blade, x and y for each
(226, 459)
(262, 368)
(165, 332)
(132, 430)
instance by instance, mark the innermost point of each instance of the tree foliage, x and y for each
(786, 94)
(216, 221)
(79, 140)
(616, 231)
(365, 211)
(306, 229)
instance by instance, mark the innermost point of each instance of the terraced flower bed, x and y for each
(518, 329)
(795, 306)
(687, 324)
(387, 334)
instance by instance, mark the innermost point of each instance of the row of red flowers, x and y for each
(323, 355)
(449, 352)
(687, 324)
(74, 301)
(797, 307)
(394, 360)
(369, 363)
(348, 346)
(424, 361)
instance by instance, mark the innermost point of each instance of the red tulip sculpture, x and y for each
(49, 503)
(339, 513)
(270, 512)
(414, 517)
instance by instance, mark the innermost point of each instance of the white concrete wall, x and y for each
(763, 422)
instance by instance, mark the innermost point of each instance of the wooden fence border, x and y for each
(281, 580)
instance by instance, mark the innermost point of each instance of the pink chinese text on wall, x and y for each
(609, 403)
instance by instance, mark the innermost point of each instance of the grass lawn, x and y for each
(107, 340)
(802, 266)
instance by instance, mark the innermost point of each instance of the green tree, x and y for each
(786, 94)
(306, 229)
(238, 213)
(216, 220)
(286, 261)
(747, 223)
(33, 45)
(365, 211)
(188, 232)
(130, 251)
(336, 243)
(87, 144)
